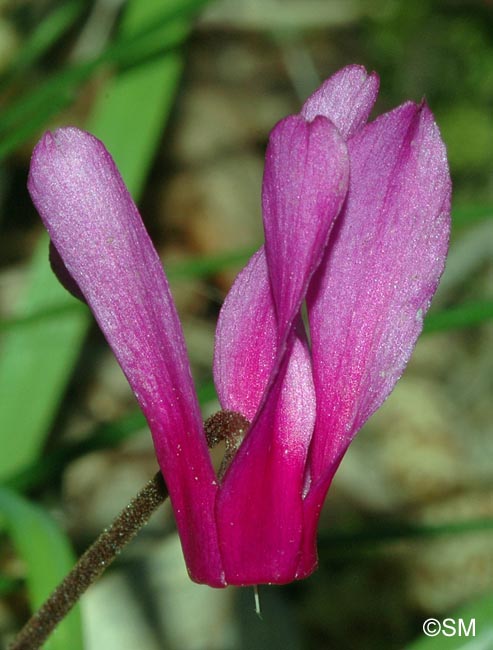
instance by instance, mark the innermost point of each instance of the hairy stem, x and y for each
(91, 565)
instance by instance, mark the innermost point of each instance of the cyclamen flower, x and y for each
(356, 220)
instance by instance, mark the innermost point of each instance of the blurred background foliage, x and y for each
(184, 93)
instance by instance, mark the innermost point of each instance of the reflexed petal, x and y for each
(259, 508)
(382, 265)
(99, 235)
(346, 99)
(304, 186)
(246, 340)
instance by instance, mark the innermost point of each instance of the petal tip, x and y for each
(346, 98)
(48, 145)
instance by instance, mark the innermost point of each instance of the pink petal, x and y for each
(98, 232)
(381, 269)
(305, 183)
(346, 99)
(259, 508)
(246, 340)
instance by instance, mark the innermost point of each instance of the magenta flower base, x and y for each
(356, 218)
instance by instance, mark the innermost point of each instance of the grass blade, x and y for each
(48, 32)
(141, 45)
(48, 557)
(467, 214)
(35, 363)
(460, 317)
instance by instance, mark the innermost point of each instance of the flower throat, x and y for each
(229, 427)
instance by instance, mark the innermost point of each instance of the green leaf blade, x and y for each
(48, 557)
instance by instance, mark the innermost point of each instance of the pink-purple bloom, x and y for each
(356, 218)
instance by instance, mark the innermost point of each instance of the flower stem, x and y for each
(91, 565)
